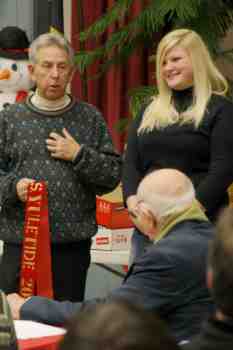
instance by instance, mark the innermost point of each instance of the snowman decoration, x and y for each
(15, 81)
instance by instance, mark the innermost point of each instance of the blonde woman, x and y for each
(187, 126)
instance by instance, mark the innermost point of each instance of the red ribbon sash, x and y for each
(36, 269)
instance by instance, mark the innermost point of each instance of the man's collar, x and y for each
(47, 105)
(193, 212)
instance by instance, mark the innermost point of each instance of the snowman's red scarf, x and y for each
(36, 272)
(21, 96)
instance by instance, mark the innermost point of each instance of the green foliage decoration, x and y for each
(211, 19)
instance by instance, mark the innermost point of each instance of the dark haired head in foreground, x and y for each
(217, 331)
(117, 325)
(220, 276)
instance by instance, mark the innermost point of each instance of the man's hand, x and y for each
(16, 302)
(132, 208)
(62, 147)
(22, 188)
(131, 203)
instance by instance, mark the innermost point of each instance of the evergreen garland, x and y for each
(210, 18)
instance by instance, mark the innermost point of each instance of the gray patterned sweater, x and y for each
(72, 186)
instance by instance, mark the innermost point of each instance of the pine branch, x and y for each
(227, 55)
(86, 58)
(121, 125)
(153, 18)
(140, 96)
(123, 51)
(157, 15)
(118, 10)
(118, 56)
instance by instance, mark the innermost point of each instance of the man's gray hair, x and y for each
(47, 40)
(164, 199)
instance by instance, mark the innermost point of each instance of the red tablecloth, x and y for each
(44, 343)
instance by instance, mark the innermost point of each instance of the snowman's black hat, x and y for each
(14, 43)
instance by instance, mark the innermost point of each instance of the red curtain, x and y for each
(109, 93)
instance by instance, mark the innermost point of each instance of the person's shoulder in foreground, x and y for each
(217, 331)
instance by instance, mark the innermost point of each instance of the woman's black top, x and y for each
(205, 153)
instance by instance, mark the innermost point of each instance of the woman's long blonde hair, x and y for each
(207, 80)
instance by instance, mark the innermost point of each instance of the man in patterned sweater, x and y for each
(53, 138)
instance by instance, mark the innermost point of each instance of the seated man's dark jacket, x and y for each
(168, 278)
(215, 335)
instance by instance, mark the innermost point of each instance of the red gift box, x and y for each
(112, 239)
(110, 210)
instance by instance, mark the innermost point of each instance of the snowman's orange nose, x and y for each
(5, 74)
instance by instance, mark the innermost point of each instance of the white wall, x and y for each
(17, 13)
(67, 7)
